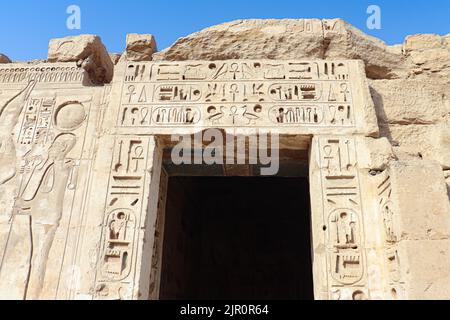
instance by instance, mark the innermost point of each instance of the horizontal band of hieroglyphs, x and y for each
(304, 91)
(237, 70)
(45, 74)
(238, 114)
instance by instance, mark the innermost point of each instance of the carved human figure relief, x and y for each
(46, 172)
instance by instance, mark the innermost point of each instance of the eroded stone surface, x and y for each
(425, 275)
(289, 39)
(87, 51)
(417, 183)
(415, 116)
(430, 54)
(140, 47)
(115, 57)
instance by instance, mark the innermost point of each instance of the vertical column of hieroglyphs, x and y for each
(387, 211)
(125, 212)
(44, 125)
(342, 218)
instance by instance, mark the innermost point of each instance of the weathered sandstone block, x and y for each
(428, 142)
(4, 59)
(402, 101)
(423, 42)
(87, 51)
(379, 152)
(424, 269)
(429, 53)
(420, 195)
(140, 47)
(289, 39)
(115, 57)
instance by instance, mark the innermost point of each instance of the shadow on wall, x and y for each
(381, 116)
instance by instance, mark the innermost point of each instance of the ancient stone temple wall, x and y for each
(83, 186)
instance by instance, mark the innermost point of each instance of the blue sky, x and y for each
(27, 25)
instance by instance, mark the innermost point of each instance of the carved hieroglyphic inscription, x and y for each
(64, 73)
(387, 209)
(343, 218)
(46, 151)
(238, 93)
(391, 234)
(122, 217)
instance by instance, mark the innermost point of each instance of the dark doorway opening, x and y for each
(237, 238)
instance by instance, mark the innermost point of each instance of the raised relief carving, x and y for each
(69, 116)
(43, 169)
(46, 171)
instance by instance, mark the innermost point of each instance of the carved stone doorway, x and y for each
(236, 237)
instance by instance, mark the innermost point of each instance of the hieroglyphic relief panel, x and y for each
(43, 140)
(391, 235)
(342, 218)
(13, 74)
(123, 218)
(240, 93)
